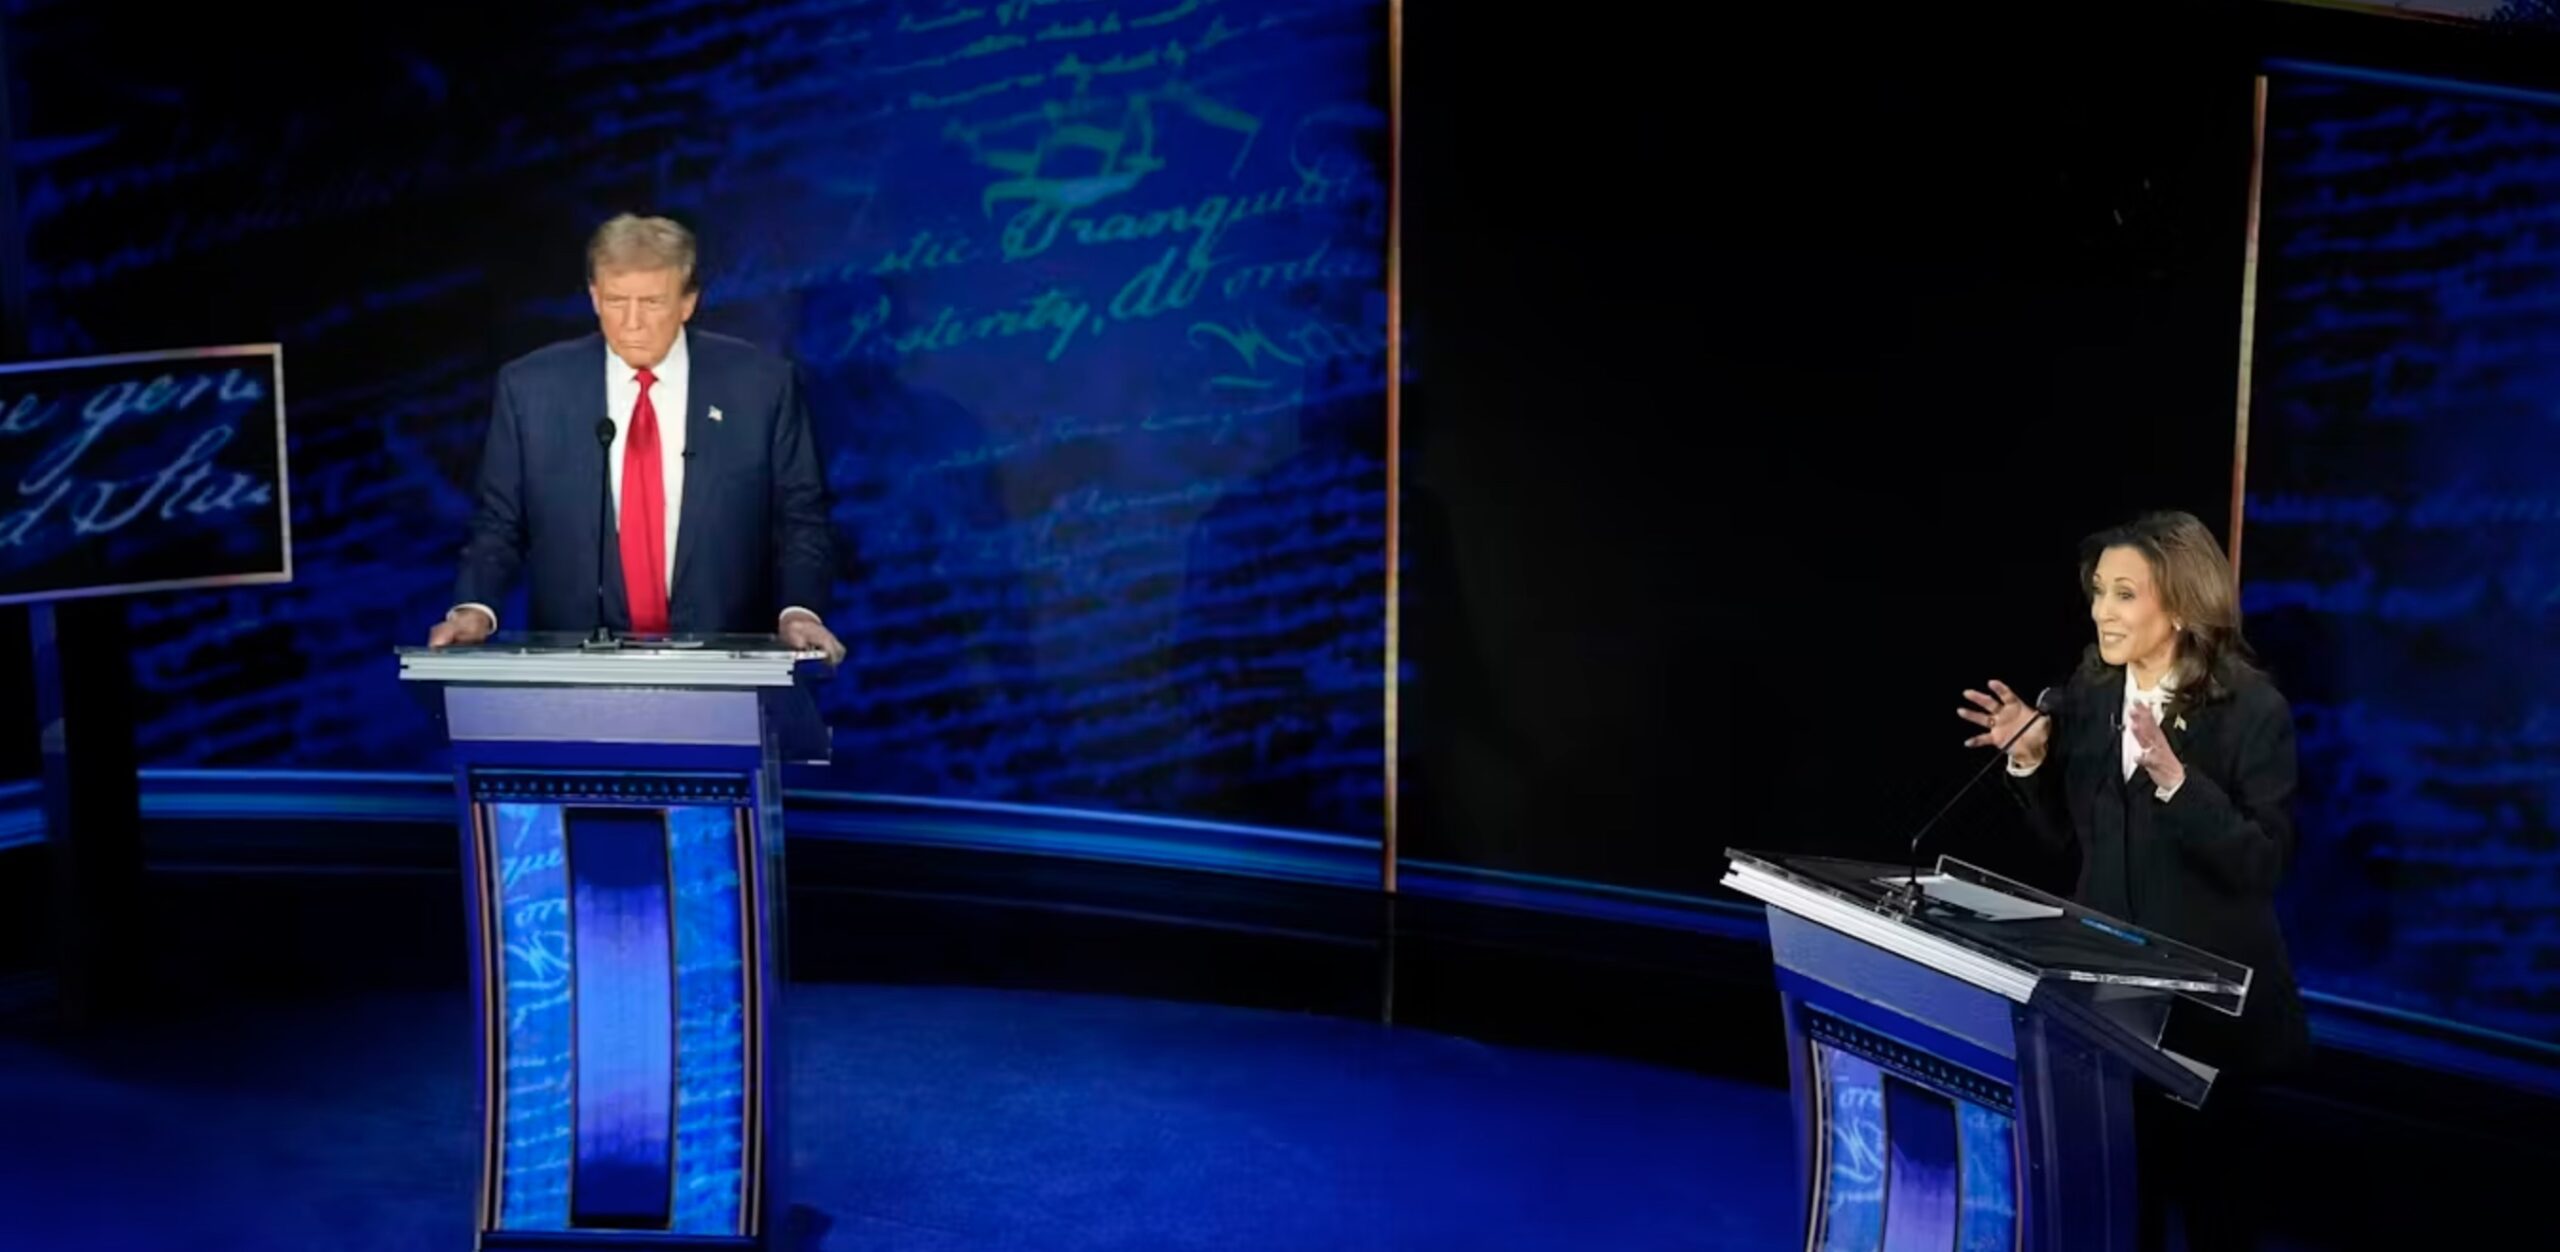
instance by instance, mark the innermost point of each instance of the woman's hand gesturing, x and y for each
(2000, 715)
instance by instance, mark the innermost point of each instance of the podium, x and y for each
(621, 819)
(1965, 1057)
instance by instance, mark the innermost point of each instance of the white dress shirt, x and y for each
(2157, 699)
(670, 396)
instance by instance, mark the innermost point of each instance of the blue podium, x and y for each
(1965, 1053)
(622, 859)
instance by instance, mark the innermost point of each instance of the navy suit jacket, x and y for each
(754, 540)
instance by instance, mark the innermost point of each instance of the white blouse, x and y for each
(2158, 700)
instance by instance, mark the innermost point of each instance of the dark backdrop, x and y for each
(1752, 461)
(1768, 390)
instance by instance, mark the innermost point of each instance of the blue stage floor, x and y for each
(927, 1120)
(994, 1054)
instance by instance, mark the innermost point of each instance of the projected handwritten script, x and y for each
(1088, 298)
(1105, 387)
(142, 472)
(2401, 550)
(2544, 14)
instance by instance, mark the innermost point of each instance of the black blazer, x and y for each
(2201, 867)
(754, 540)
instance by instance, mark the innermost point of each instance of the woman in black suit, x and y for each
(2168, 764)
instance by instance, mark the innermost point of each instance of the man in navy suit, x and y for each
(719, 502)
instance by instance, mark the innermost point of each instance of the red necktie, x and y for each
(644, 518)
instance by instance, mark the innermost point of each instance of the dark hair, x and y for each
(2201, 593)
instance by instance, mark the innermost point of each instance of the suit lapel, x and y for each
(592, 387)
(2106, 747)
(599, 479)
(2185, 733)
(704, 449)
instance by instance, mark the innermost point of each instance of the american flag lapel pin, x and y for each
(715, 412)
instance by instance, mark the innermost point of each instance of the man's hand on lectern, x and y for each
(462, 626)
(802, 629)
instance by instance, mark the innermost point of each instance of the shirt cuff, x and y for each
(786, 616)
(485, 611)
(2015, 772)
(2172, 789)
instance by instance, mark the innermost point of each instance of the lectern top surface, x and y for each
(2068, 942)
(530, 643)
(734, 661)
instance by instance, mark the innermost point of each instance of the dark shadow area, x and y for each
(929, 559)
(1772, 381)
(1281, 688)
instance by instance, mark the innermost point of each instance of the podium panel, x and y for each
(622, 827)
(1904, 1142)
(618, 1002)
(1964, 1073)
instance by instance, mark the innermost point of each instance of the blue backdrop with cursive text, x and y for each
(2401, 545)
(1088, 298)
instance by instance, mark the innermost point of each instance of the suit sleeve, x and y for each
(803, 544)
(2240, 830)
(2048, 816)
(494, 549)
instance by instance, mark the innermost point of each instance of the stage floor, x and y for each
(926, 1120)
(996, 1054)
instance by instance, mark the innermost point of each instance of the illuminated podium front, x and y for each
(622, 861)
(1965, 1058)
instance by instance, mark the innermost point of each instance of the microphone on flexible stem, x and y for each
(1909, 890)
(603, 638)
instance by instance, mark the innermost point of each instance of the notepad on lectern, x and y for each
(1987, 903)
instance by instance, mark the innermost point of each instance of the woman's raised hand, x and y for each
(2000, 714)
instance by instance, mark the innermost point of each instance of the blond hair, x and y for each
(632, 242)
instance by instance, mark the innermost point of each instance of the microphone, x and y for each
(2124, 847)
(2045, 700)
(603, 638)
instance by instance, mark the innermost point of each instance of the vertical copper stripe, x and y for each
(493, 1017)
(2248, 321)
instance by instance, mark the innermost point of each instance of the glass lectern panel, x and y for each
(2039, 931)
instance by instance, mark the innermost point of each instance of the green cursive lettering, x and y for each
(927, 251)
(1053, 313)
(1156, 289)
(1249, 343)
(912, 24)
